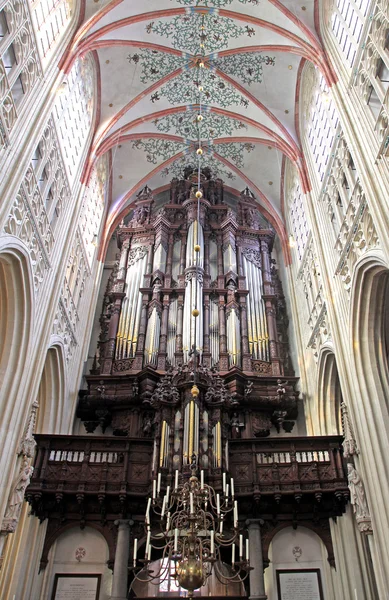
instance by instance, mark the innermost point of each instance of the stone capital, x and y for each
(254, 523)
(124, 523)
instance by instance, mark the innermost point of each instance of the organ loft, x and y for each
(191, 373)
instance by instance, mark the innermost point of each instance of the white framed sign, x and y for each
(75, 586)
(299, 584)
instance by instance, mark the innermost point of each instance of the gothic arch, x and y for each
(51, 393)
(370, 337)
(55, 532)
(322, 532)
(16, 314)
(328, 394)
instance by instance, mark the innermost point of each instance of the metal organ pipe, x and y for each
(132, 305)
(152, 338)
(214, 332)
(193, 291)
(256, 315)
(233, 339)
(172, 331)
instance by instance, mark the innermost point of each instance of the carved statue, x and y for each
(217, 392)
(135, 388)
(357, 493)
(140, 214)
(147, 425)
(165, 392)
(235, 426)
(349, 444)
(101, 389)
(248, 389)
(17, 495)
(281, 391)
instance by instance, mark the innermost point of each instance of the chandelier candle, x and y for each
(195, 524)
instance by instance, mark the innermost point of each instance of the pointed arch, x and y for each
(16, 319)
(52, 392)
(329, 394)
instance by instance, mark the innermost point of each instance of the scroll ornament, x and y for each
(136, 254)
(253, 256)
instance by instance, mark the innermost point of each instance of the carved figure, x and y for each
(281, 391)
(135, 388)
(248, 389)
(17, 495)
(349, 444)
(357, 493)
(147, 425)
(165, 392)
(235, 427)
(260, 425)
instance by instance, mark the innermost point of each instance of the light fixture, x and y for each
(292, 241)
(94, 240)
(196, 523)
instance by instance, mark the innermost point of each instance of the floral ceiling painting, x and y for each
(164, 62)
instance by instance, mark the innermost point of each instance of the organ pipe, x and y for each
(214, 333)
(191, 431)
(131, 309)
(256, 315)
(233, 339)
(172, 331)
(152, 338)
(193, 327)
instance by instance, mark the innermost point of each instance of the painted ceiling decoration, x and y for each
(149, 56)
(185, 124)
(216, 3)
(183, 31)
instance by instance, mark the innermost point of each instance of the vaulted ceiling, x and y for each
(148, 54)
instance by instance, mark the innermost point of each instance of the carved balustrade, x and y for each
(296, 474)
(90, 469)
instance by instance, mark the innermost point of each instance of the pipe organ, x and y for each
(192, 374)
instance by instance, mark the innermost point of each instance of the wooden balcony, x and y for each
(290, 474)
(87, 469)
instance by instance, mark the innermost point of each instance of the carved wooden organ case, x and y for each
(145, 365)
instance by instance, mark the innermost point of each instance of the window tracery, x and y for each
(73, 113)
(50, 20)
(42, 195)
(298, 219)
(347, 21)
(93, 208)
(19, 65)
(323, 120)
(372, 74)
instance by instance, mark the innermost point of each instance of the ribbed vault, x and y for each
(148, 55)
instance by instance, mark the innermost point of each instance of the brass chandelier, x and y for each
(195, 524)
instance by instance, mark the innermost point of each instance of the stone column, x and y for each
(180, 317)
(120, 569)
(257, 583)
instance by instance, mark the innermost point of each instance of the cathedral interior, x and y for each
(194, 299)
